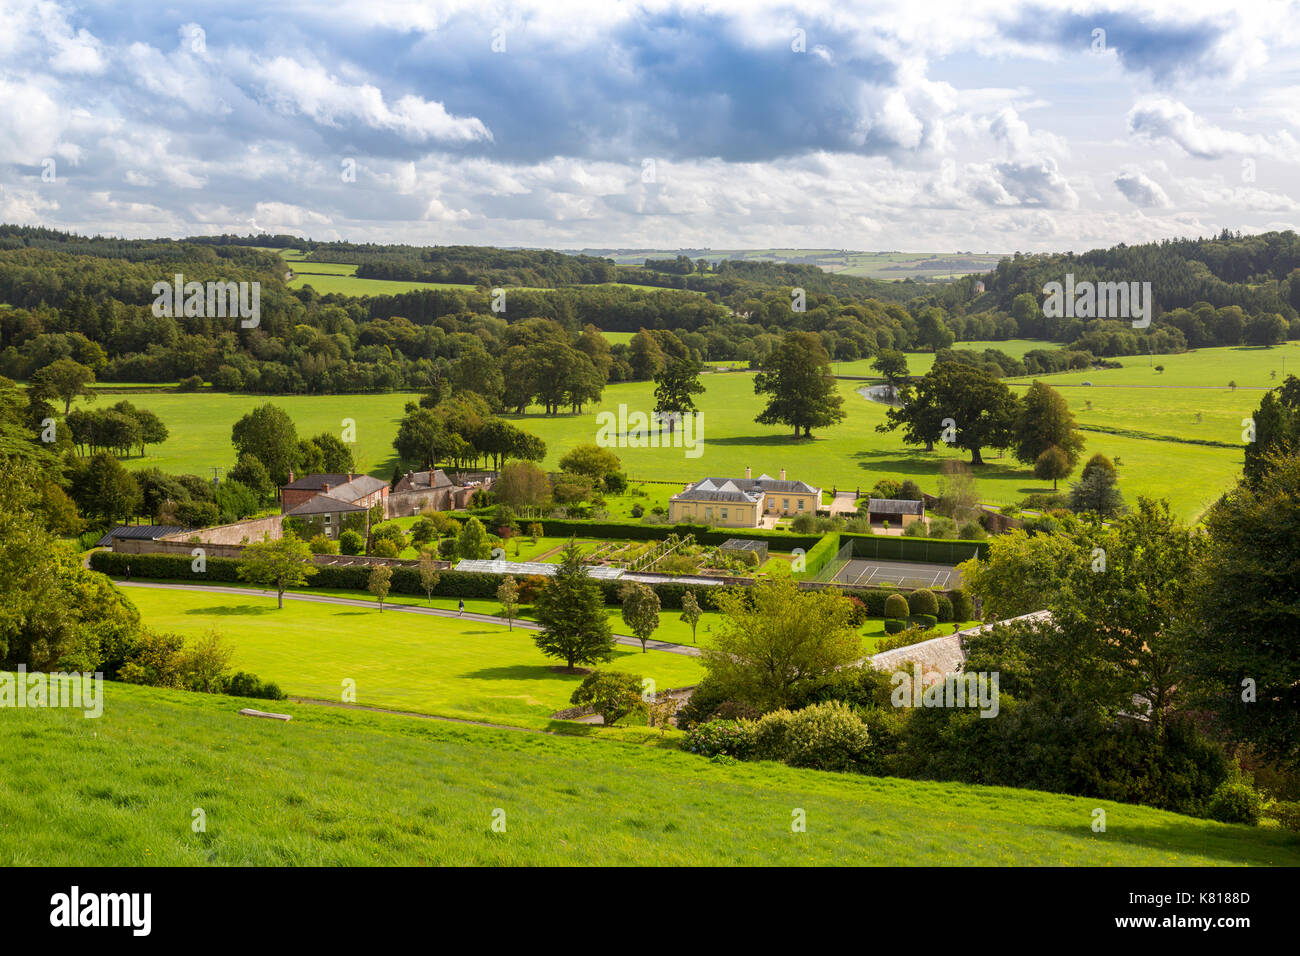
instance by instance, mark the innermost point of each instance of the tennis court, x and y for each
(858, 572)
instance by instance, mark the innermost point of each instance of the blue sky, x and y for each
(922, 126)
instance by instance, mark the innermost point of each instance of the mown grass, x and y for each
(336, 787)
(432, 665)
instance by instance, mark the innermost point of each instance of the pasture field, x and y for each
(345, 787)
(199, 425)
(918, 363)
(430, 665)
(848, 456)
(1249, 366)
(348, 284)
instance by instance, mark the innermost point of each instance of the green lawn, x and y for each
(334, 787)
(402, 661)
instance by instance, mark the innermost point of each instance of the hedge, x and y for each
(636, 531)
(895, 548)
(356, 577)
(821, 554)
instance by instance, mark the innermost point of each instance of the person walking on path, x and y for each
(461, 607)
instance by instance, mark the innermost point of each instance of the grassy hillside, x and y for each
(335, 787)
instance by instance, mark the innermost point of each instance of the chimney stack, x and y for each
(290, 476)
(747, 474)
(325, 488)
(783, 474)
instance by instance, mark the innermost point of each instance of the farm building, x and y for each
(325, 499)
(743, 502)
(898, 511)
(419, 491)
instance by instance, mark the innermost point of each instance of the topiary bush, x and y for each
(1235, 801)
(896, 607)
(923, 601)
(923, 621)
(963, 608)
(945, 607)
(893, 626)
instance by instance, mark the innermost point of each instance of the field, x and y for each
(430, 665)
(1147, 428)
(874, 265)
(336, 787)
(199, 425)
(918, 363)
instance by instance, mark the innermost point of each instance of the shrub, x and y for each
(916, 529)
(351, 543)
(922, 601)
(1286, 813)
(963, 608)
(191, 384)
(859, 613)
(391, 531)
(447, 548)
(903, 635)
(805, 523)
(827, 736)
(700, 706)
(243, 684)
(1235, 801)
(771, 736)
(321, 544)
(732, 738)
(971, 531)
(923, 621)
(896, 607)
(385, 548)
(945, 607)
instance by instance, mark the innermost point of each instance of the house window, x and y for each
(708, 512)
(801, 504)
(327, 519)
(785, 504)
(724, 514)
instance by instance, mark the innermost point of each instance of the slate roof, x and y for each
(326, 504)
(422, 480)
(742, 490)
(349, 486)
(142, 532)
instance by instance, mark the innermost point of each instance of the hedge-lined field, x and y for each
(333, 787)
(405, 580)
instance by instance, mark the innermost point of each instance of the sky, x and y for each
(921, 126)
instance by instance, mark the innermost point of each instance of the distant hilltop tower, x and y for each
(979, 286)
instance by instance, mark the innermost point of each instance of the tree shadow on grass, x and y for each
(520, 672)
(227, 610)
(785, 439)
(1231, 844)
